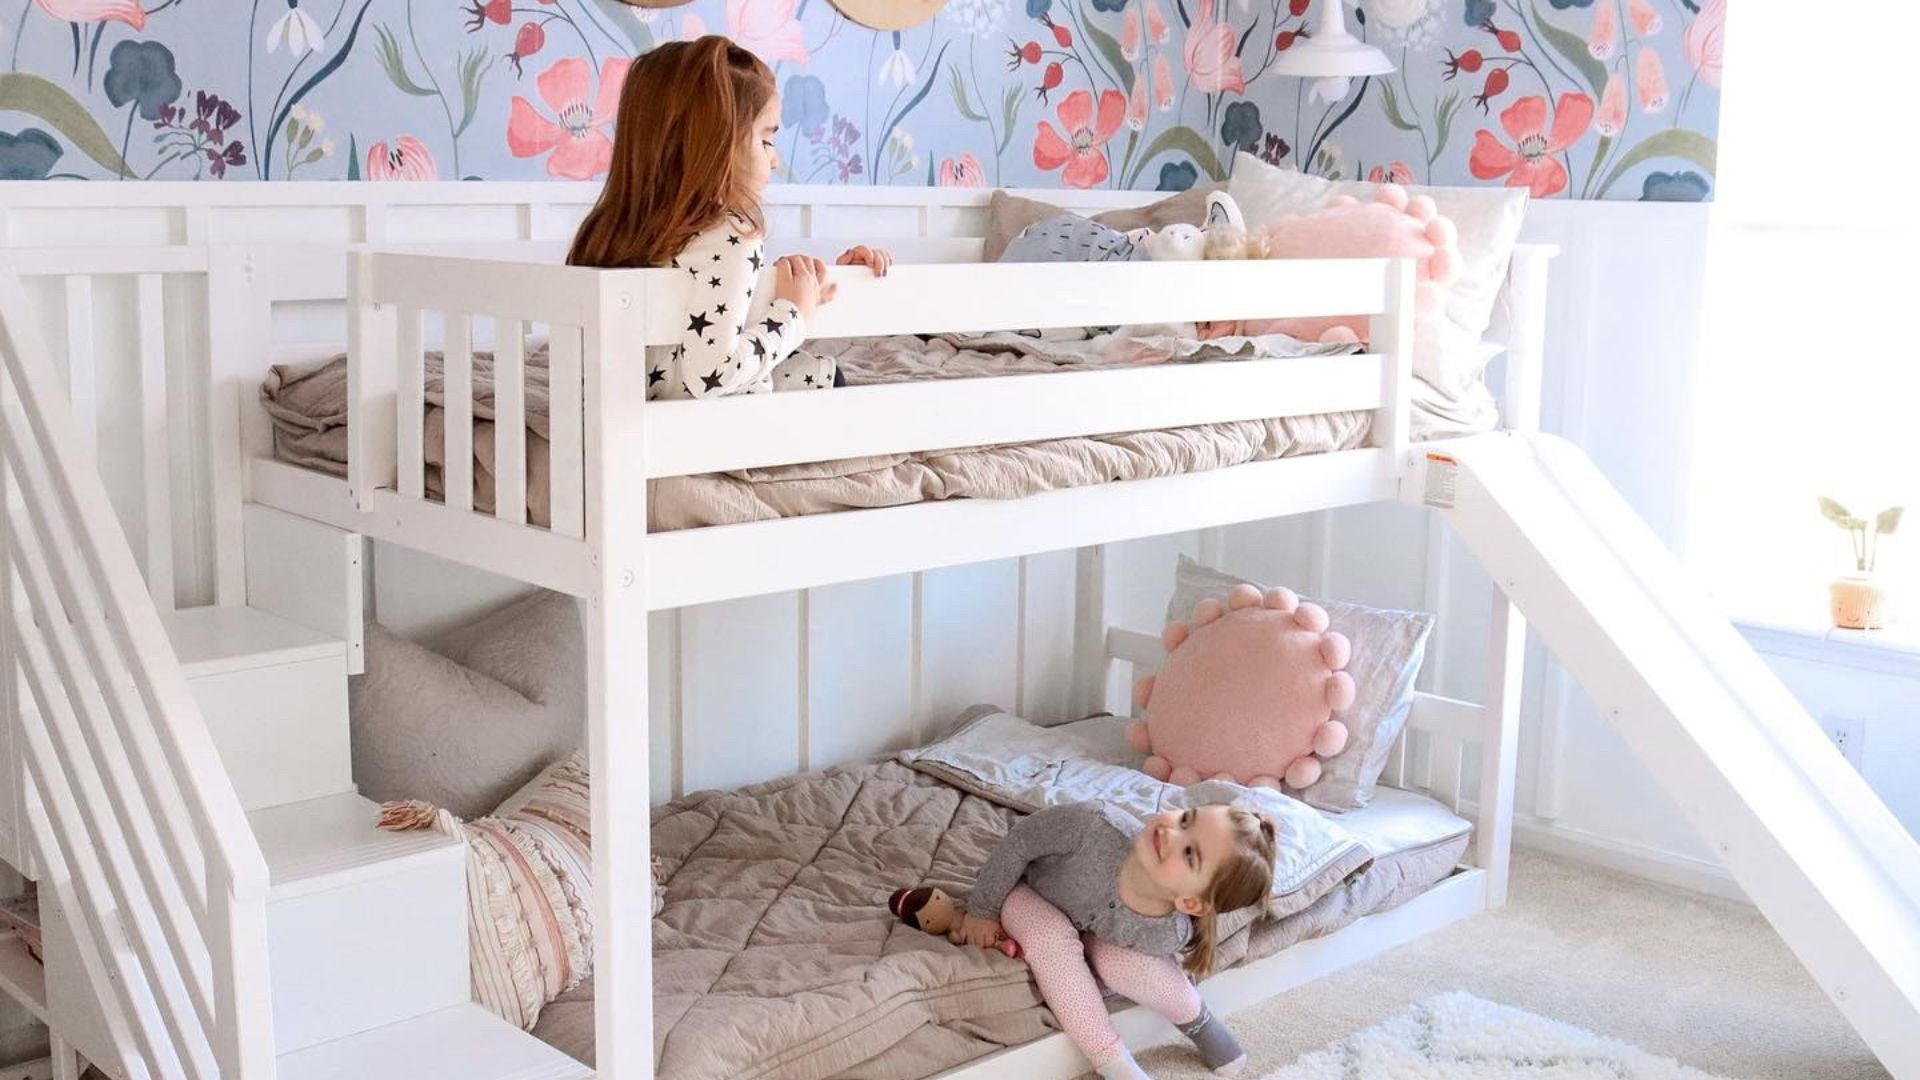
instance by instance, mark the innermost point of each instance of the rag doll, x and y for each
(931, 909)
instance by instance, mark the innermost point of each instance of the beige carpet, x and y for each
(1702, 980)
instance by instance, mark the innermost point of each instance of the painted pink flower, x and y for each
(407, 160)
(1650, 81)
(93, 11)
(1130, 35)
(1531, 162)
(1137, 103)
(581, 148)
(1612, 118)
(767, 29)
(1395, 172)
(1605, 35)
(1162, 83)
(1646, 21)
(1083, 150)
(1212, 63)
(962, 171)
(1156, 23)
(1703, 40)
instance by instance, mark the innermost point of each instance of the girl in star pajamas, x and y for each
(693, 152)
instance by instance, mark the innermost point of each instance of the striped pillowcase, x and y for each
(529, 889)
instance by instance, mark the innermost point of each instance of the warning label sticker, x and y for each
(1442, 473)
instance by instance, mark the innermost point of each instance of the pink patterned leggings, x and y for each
(1060, 958)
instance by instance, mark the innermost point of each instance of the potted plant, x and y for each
(1861, 601)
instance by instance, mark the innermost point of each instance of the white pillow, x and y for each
(1446, 350)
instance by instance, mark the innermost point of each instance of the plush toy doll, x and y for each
(1223, 236)
(1247, 693)
(1391, 225)
(929, 908)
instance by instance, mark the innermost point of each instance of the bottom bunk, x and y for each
(775, 953)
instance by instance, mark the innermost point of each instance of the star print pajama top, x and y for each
(738, 338)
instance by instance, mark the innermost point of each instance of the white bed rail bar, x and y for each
(132, 812)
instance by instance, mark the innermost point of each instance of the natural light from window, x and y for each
(1811, 370)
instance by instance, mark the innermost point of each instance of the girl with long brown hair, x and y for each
(693, 150)
(1141, 894)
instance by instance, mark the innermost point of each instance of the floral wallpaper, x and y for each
(1587, 99)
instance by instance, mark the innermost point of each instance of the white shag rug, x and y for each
(1458, 1036)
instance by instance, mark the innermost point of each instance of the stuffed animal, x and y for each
(931, 909)
(1223, 236)
(1247, 693)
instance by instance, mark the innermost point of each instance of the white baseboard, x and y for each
(1686, 871)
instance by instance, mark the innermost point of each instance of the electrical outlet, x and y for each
(1849, 734)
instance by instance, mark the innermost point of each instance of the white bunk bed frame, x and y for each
(605, 437)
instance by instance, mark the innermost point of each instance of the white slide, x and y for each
(1820, 855)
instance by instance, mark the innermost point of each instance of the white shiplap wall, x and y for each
(755, 688)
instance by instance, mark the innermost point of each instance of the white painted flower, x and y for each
(978, 17)
(1412, 23)
(1329, 89)
(645, 15)
(326, 148)
(898, 69)
(297, 30)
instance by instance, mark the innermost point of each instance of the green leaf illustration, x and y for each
(473, 70)
(1181, 139)
(31, 94)
(1669, 142)
(1010, 104)
(353, 157)
(960, 99)
(1889, 520)
(396, 64)
(1391, 104)
(1835, 512)
(1574, 49)
(914, 102)
(1110, 49)
(1443, 120)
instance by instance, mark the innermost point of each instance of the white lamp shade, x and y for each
(1331, 51)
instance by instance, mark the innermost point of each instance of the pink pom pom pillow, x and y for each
(1387, 649)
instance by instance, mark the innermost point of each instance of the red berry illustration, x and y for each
(486, 11)
(1023, 54)
(1298, 7)
(528, 41)
(1495, 85)
(1468, 62)
(1055, 74)
(1061, 35)
(1285, 41)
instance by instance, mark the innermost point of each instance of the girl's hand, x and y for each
(802, 280)
(872, 258)
(980, 933)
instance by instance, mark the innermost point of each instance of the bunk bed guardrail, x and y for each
(136, 824)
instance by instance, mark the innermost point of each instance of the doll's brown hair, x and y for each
(679, 154)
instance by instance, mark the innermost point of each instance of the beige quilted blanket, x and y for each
(307, 404)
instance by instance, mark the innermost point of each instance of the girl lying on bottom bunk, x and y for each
(1141, 894)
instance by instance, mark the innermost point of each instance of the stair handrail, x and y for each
(131, 797)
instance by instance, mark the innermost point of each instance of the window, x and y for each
(1810, 372)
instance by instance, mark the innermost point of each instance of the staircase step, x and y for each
(464, 1042)
(274, 695)
(364, 927)
(220, 640)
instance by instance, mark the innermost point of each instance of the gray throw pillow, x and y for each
(1072, 238)
(468, 726)
(1010, 215)
(1388, 647)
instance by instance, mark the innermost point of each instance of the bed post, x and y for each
(616, 640)
(371, 435)
(1390, 336)
(1096, 600)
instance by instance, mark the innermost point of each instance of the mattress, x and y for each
(775, 955)
(307, 404)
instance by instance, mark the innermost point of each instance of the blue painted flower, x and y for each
(1241, 129)
(1178, 176)
(142, 72)
(1479, 13)
(27, 156)
(1683, 186)
(1039, 9)
(804, 105)
(1109, 5)
(1562, 5)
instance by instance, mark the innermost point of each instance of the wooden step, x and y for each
(274, 694)
(364, 927)
(464, 1042)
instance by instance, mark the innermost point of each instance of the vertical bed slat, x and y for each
(229, 364)
(1395, 774)
(566, 461)
(1446, 759)
(157, 498)
(1390, 334)
(510, 421)
(457, 378)
(410, 398)
(81, 385)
